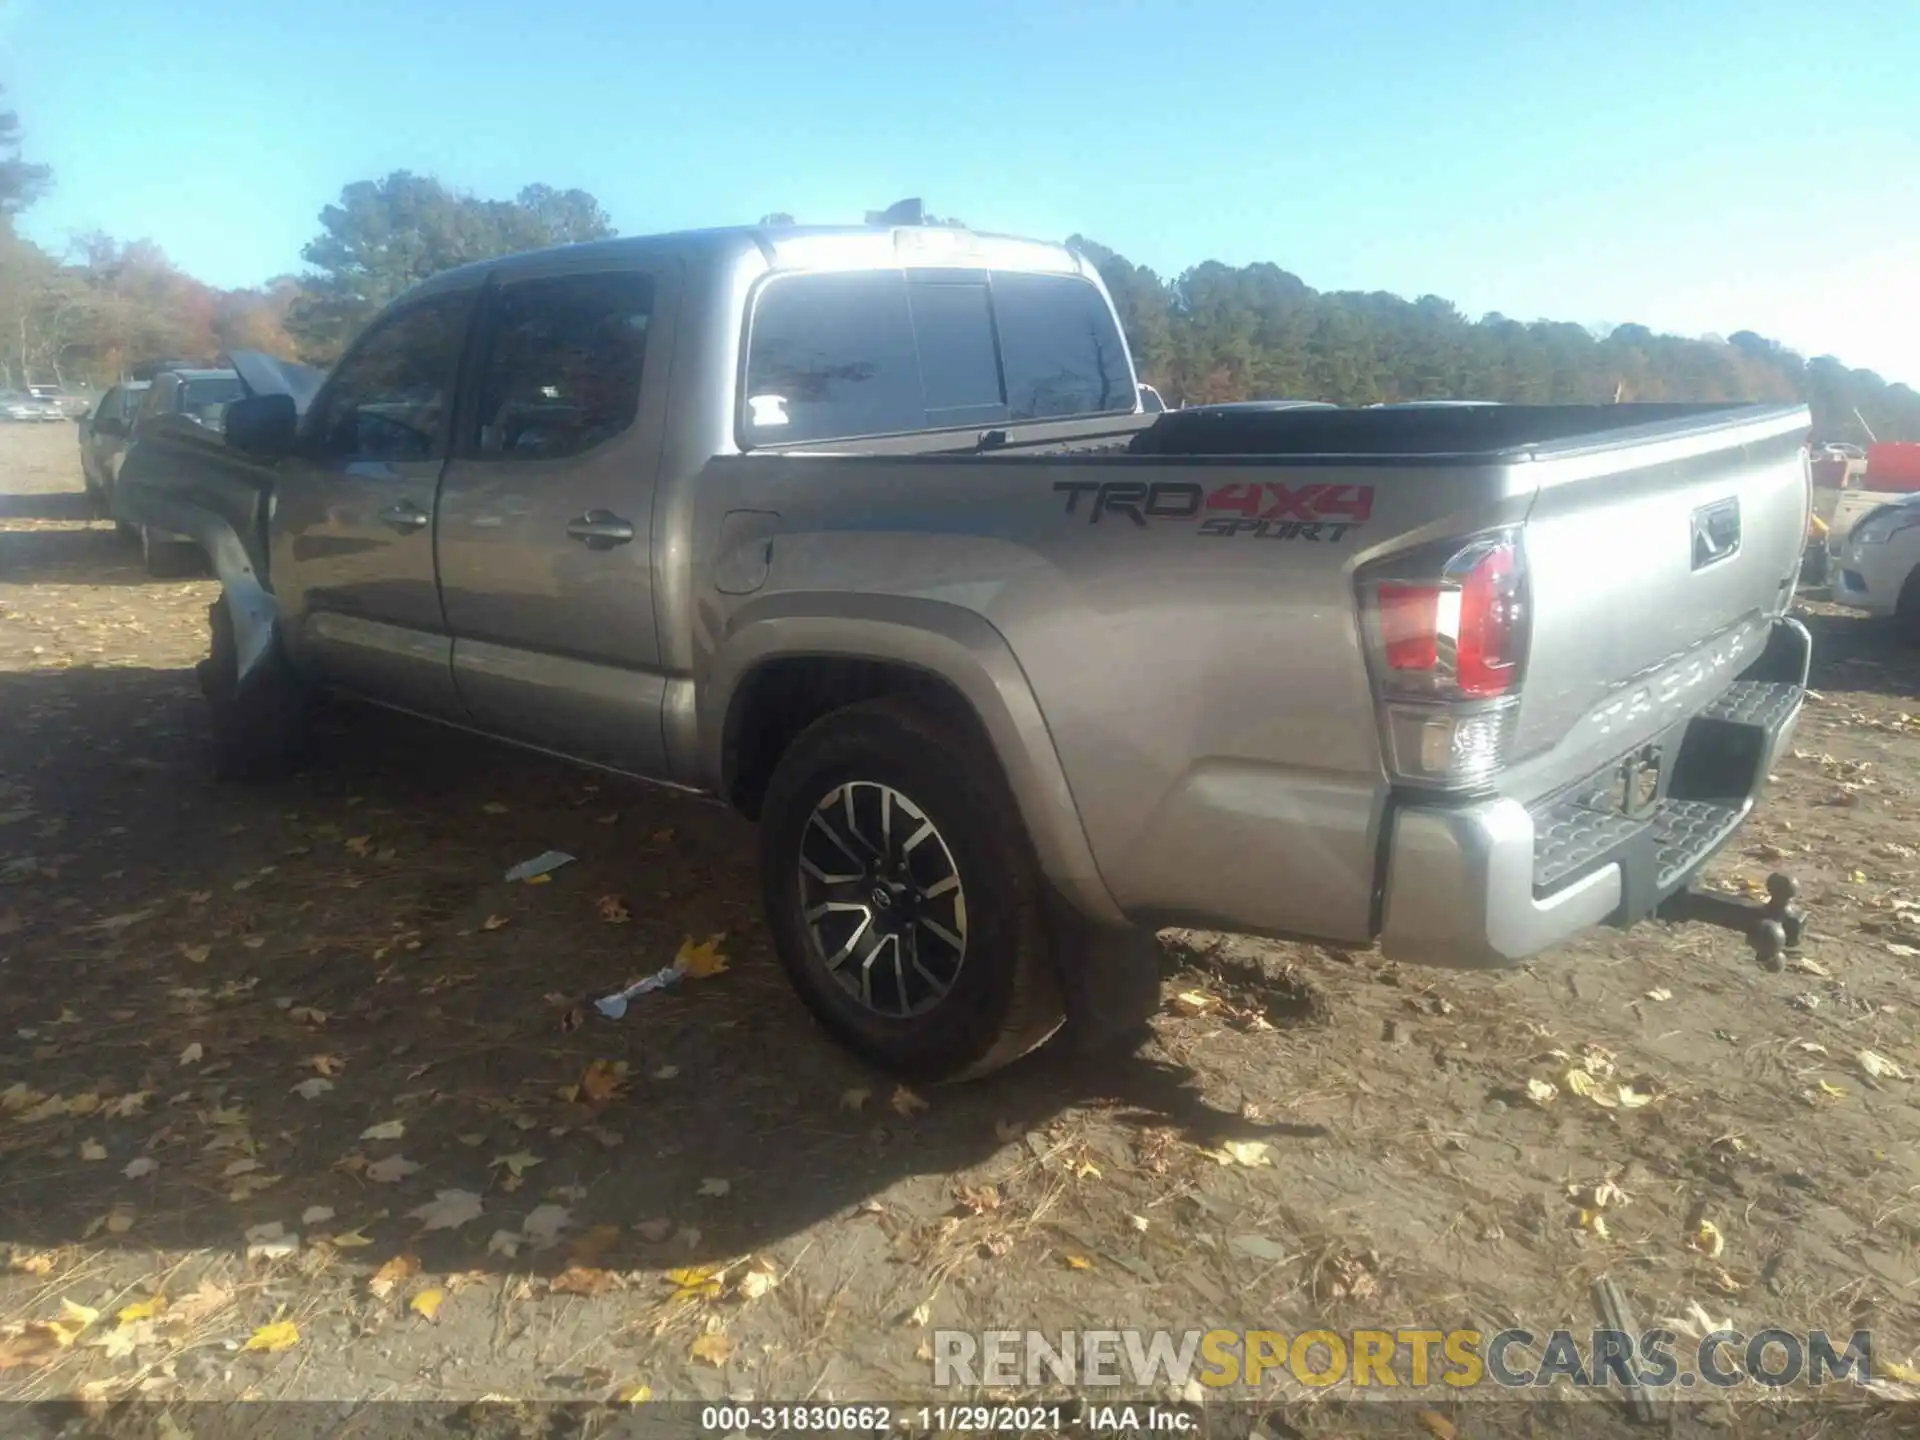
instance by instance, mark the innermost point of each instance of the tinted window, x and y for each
(953, 330)
(562, 370)
(1062, 351)
(387, 400)
(198, 394)
(832, 356)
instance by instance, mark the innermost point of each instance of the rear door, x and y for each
(353, 523)
(546, 513)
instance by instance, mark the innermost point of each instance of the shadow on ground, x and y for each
(217, 951)
(1855, 652)
(92, 555)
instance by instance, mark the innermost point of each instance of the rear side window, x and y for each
(1063, 353)
(563, 364)
(838, 356)
(832, 356)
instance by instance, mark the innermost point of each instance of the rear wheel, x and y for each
(1906, 610)
(903, 894)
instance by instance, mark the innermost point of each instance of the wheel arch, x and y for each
(788, 660)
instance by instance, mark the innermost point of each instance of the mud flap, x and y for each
(1109, 977)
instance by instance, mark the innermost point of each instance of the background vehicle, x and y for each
(104, 435)
(861, 532)
(192, 396)
(70, 405)
(1879, 564)
(22, 408)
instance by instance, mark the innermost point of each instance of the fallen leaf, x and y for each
(192, 1054)
(1542, 1092)
(92, 1150)
(494, 807)
(1194, 1002)
(400, 1267)
(1662, 993)
(1251, 1153)
(349, 1240)
(448, 1210)
(504, 1242)
(582, 1280)
(391, 1170)
(385, 1130)
(1593, 1220)
(698, 962)
(1707, 1239)
(281, 1335)
(313, 1089)
(122, 1341)
(141, 1310)
(1436, 1424)
(271, 1241)
(207, 1299)
(1632, 1099)
(494, 922)
(904, 1102)
(712, 1349)
(855, 1099)
(920, 1314)
(316, 1215)
(247, 1186)
(326, 1064)
(634, 1394)
(427, 1303)
(239, 1167)
(696, 1282)
(1078, 1262)
(715, 1187)
(653, 1231)
(197, 954)
(759, 1277)
(1832, 1091)
(1876, 1067)
(613, 910)
(543, 1225)
(517, 1163)
(601, 1082)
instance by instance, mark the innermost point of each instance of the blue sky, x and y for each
(1684, 165)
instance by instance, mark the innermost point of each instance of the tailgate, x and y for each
(1656, 561)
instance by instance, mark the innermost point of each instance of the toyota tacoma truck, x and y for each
(863, 532)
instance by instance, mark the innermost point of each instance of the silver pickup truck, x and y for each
(863, 533)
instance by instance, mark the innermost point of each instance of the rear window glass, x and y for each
(832, 356)
(839, 356)
(1063, 353)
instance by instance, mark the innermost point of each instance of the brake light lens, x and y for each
(1447, 637)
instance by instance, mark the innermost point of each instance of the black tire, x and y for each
(1906, 611)
(1005, 995)
(259, 732)
(170, 559)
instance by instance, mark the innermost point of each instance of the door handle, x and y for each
(404, 516)
(600, 530)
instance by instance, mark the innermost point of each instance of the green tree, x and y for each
(21, 183)
(385, 236)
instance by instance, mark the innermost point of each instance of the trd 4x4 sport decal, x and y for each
(1260, 508)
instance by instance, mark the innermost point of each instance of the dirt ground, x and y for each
(318, 1008)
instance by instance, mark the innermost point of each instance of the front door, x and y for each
(353, 524)
(546, 513)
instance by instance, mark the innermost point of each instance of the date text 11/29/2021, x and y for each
(944, 1419)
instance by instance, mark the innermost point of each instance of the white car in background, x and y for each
(1878, 564)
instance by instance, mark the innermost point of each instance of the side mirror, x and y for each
(262, 425)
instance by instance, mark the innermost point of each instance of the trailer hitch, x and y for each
(1772, 927)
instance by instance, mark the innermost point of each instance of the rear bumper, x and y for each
(1487, 884)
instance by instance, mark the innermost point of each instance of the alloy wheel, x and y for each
(882, 899)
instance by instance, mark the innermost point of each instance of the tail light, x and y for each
(1447, 634)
